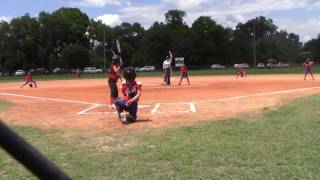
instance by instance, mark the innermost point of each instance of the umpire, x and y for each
(167, 68)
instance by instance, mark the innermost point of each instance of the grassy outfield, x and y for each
(4, 105)
(279, 144)
(229, 71)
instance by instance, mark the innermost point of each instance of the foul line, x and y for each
(156, 107)
(49, 99)
(258, 94)
(88, 109)
(93, 105)
(192, 107)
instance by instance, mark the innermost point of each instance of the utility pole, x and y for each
(104, 50)
(254, 43)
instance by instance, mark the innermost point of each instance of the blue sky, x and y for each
(299, 16)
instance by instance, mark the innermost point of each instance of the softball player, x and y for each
(184, 74)
(308, 68)
(129, 103)
(29, 81)
(240, 71)
(114, 72)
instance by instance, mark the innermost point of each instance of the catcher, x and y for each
(29, 81)
(127, 106)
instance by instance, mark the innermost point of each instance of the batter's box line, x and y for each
(157, 106)
(87, 110)
(259, 95)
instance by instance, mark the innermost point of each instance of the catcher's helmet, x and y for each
(129, 74)
(116, 59)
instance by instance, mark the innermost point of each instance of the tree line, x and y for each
(68, 38)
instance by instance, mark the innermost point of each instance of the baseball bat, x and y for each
(118, 46)
(29, 156)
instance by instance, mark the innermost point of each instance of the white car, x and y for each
(19, 73)
(244, 65)
(91, 70)
(217, 67)
(280, 65)
(260, 65)
(147, 69)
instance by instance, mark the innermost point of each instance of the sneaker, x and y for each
(112, 106)
(123, 117)
(130, 119)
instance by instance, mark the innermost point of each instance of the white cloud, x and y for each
(226, 12)
(109, 19)
(306, 29)
(5, 18)
(98, 3)
(144, 15)
(185, 4)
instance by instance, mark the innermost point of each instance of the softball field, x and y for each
(83, 103)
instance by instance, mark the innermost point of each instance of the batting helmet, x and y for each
(116, 59)
(129, 74)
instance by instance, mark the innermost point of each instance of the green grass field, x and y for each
(229, 71)
(279, 144)
(4, 105)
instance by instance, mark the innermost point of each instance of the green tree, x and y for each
(63, 27)
(75, 56)
(210, 41)
(174, 18)
(279, 46)
(312, 48)
(25, 31)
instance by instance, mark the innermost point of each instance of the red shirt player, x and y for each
(113, 79)
(29, 81)
(308, 68)
(131, 90)
(184, 74)
(240, 71)
(78, 73)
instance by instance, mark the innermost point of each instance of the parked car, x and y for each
(260, 65)
(146, 69)
(280, 65)
(136, 68)
(59, 71)
(19, 73)
(91, 70)
(244, 65)
(217, 67)
(4, 74)
(39, 71)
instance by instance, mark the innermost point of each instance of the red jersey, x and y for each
(29, 77)
(130, 89)
(113, 75)
(241, 70)
(183, 69)
(308, 65)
